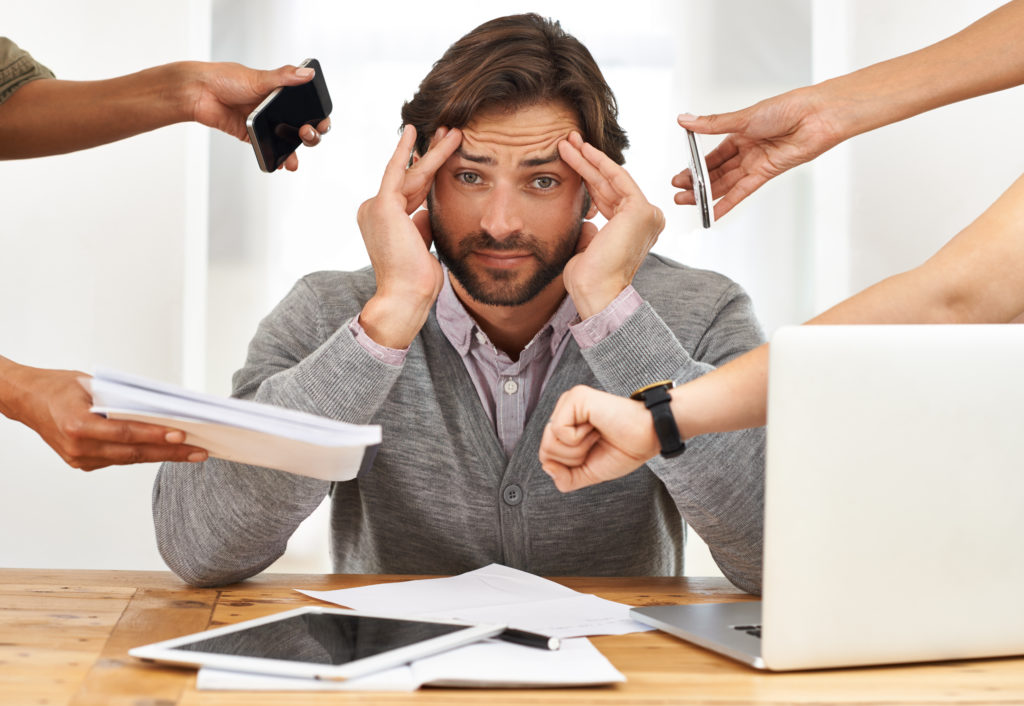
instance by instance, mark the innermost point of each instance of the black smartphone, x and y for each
(274, 125)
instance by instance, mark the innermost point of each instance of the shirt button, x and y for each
(511, 387)
(512, 494)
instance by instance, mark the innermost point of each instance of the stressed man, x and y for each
(514, 146)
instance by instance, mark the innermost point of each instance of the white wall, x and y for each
(93, 272)
(105, 258)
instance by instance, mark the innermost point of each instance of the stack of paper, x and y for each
(241, 430)
(493, 594)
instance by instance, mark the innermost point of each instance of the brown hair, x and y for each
(515, 62)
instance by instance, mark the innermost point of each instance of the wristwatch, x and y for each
(656, 398)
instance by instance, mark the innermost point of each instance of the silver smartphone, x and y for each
(701, 182)
(274, 125)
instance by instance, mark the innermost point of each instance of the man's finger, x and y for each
(441, 148)
(394, 172)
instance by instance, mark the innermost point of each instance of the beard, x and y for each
(499, 287)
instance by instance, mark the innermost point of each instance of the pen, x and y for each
(530, 639)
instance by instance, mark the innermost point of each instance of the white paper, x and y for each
(491, 664)
(239, 430)
(493, 594)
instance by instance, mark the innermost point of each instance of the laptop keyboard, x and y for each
(754, 630)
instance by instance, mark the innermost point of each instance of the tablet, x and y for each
(315, 642)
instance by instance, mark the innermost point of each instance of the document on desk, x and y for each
(241, 430)
(493, 594)
(491, 664)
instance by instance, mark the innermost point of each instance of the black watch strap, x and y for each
(656, 398)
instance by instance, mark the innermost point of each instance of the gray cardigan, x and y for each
(441, 496)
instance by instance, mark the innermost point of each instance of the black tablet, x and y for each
(322, 643)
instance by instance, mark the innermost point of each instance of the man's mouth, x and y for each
(501, 259)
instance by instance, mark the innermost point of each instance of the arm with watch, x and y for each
(691, 322)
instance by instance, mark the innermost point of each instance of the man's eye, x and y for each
(468, 178)
(544, 182)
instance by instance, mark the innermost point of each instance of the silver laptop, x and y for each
(894, 502)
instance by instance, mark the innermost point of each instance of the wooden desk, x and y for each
(64, 638)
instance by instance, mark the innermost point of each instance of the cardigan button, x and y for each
(512, 494)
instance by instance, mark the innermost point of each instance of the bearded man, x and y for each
(512, 143)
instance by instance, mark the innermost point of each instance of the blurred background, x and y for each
(158, 255)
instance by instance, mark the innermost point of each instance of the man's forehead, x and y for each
(527, 136)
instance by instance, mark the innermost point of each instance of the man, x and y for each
(33, 123)
(461, 361)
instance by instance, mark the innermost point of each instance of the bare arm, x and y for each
(55, 405)
(977, 277)
(51, 116)
(787, 130)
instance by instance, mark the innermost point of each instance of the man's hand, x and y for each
(409, 278)
(766, 139)
(55, 404)
(593, 437)
(607, 259)
(225, 94)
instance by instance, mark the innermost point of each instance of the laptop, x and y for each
(894, 503)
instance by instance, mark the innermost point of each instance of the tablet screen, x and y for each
(321, 638)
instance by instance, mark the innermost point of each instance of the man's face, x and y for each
(505, 210)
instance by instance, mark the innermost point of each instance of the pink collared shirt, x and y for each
(509, 390)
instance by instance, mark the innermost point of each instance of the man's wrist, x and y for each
(393, 323)
(590, 301)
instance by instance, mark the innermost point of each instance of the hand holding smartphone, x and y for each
(275, 123)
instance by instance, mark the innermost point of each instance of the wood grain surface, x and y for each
(64, 638)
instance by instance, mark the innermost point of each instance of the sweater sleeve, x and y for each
(718, 482)
(219, 522)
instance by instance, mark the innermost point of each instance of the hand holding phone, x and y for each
(275, 123)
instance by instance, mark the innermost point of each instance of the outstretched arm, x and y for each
(787, 130)
(51, 116)
(978, 277)
(55, 405)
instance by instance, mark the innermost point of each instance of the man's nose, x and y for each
(501, 215)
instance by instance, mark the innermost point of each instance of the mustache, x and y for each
(482, 240)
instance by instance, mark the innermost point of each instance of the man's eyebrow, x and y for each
(479, 159)
(527, 163)
(541, 161)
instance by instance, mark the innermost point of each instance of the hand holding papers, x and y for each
(241, 430)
